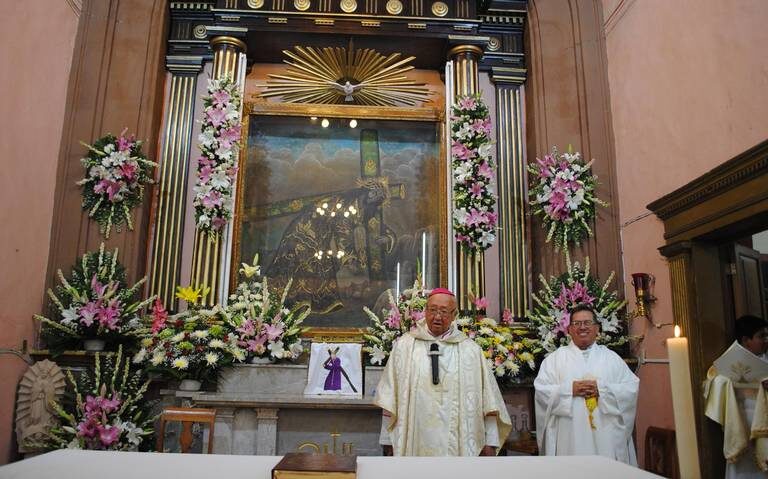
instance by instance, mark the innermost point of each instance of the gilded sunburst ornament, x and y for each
(334, 75)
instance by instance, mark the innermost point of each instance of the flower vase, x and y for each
(94, 345)
(262, 360)
(190, 385)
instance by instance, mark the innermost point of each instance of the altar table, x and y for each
(119, 465)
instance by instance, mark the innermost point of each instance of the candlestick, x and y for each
(424, 260)
(397, 282)
(682, 405)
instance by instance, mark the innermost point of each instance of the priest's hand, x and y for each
(587, 388)
(488, 451)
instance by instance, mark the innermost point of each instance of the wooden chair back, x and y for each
(187, 416)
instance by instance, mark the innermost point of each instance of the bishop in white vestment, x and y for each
(586, 397)
(463, 414)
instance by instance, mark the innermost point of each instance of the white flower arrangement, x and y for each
(474, 174)
(217, 166)
(116, 174)
(563, 195)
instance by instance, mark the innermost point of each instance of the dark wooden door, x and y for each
(747, 283)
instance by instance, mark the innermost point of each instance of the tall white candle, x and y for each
(682, 405)
(424, 260)
(397, 282)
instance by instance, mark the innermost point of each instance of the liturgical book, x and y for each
(741, 366)
(303, 466)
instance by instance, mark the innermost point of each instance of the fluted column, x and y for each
(208, 247)
(165, 263)
(511, 175)
(470, 267)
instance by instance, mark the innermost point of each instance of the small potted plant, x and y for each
(94, 305)
(191, 346)
(104, 409)
(264, 326)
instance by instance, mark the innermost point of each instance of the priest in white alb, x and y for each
(736, 398)
(438, 394)
(586, 396)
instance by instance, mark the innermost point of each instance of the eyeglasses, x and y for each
(440, 312)
(585, 324)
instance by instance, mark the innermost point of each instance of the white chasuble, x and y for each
(742, 410)
(447, 419)
(563, 420)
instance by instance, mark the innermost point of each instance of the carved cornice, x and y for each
(744, 167)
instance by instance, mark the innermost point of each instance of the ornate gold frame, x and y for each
(258, 106)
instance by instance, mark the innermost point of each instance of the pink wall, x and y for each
(38, 39)
(688, 82)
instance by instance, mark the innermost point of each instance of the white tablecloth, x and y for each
(72, 464)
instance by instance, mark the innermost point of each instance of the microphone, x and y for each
(434, 352)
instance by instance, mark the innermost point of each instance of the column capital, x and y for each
(184, 64)
(676, 249)
(508, 76)
(225, 41)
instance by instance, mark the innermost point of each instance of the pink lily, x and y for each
(220, 98)
(216, 116)
(273, 331)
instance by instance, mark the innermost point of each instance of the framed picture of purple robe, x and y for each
(335, 369)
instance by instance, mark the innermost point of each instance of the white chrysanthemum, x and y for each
(146, 342)
(211, 358)
(177, 337)
(140, 356)
(216, 343)
(157, 358)
(180, 363)
(485, 331)
(296, 349)
(200, 334)
(239, 354)
(488, 322)
(500, 371)
(526, 357)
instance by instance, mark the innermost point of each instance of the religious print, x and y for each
(348, 210)
(335, 369)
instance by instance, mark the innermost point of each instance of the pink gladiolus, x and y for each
(467, 103)
(212, 199)
(159, 316)
(216, 116)
(86, 428)
(393, 319)
(475, 217)
(98, 288)
(220, 98)
(205, 174)
(485, 170)
(230, 135)
(273, 331)
(247, 328)
(124, 144)
(562, 325)
(109, 316)
(481, 303)
(506, 317)
(218, 223)
(460, 151)
(476, 190)
(108, 435)
(128, 170)
(88, 313)
(417, 315)
(109, 405)
(204, 161)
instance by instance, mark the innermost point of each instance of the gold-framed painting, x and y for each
(348, 202)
